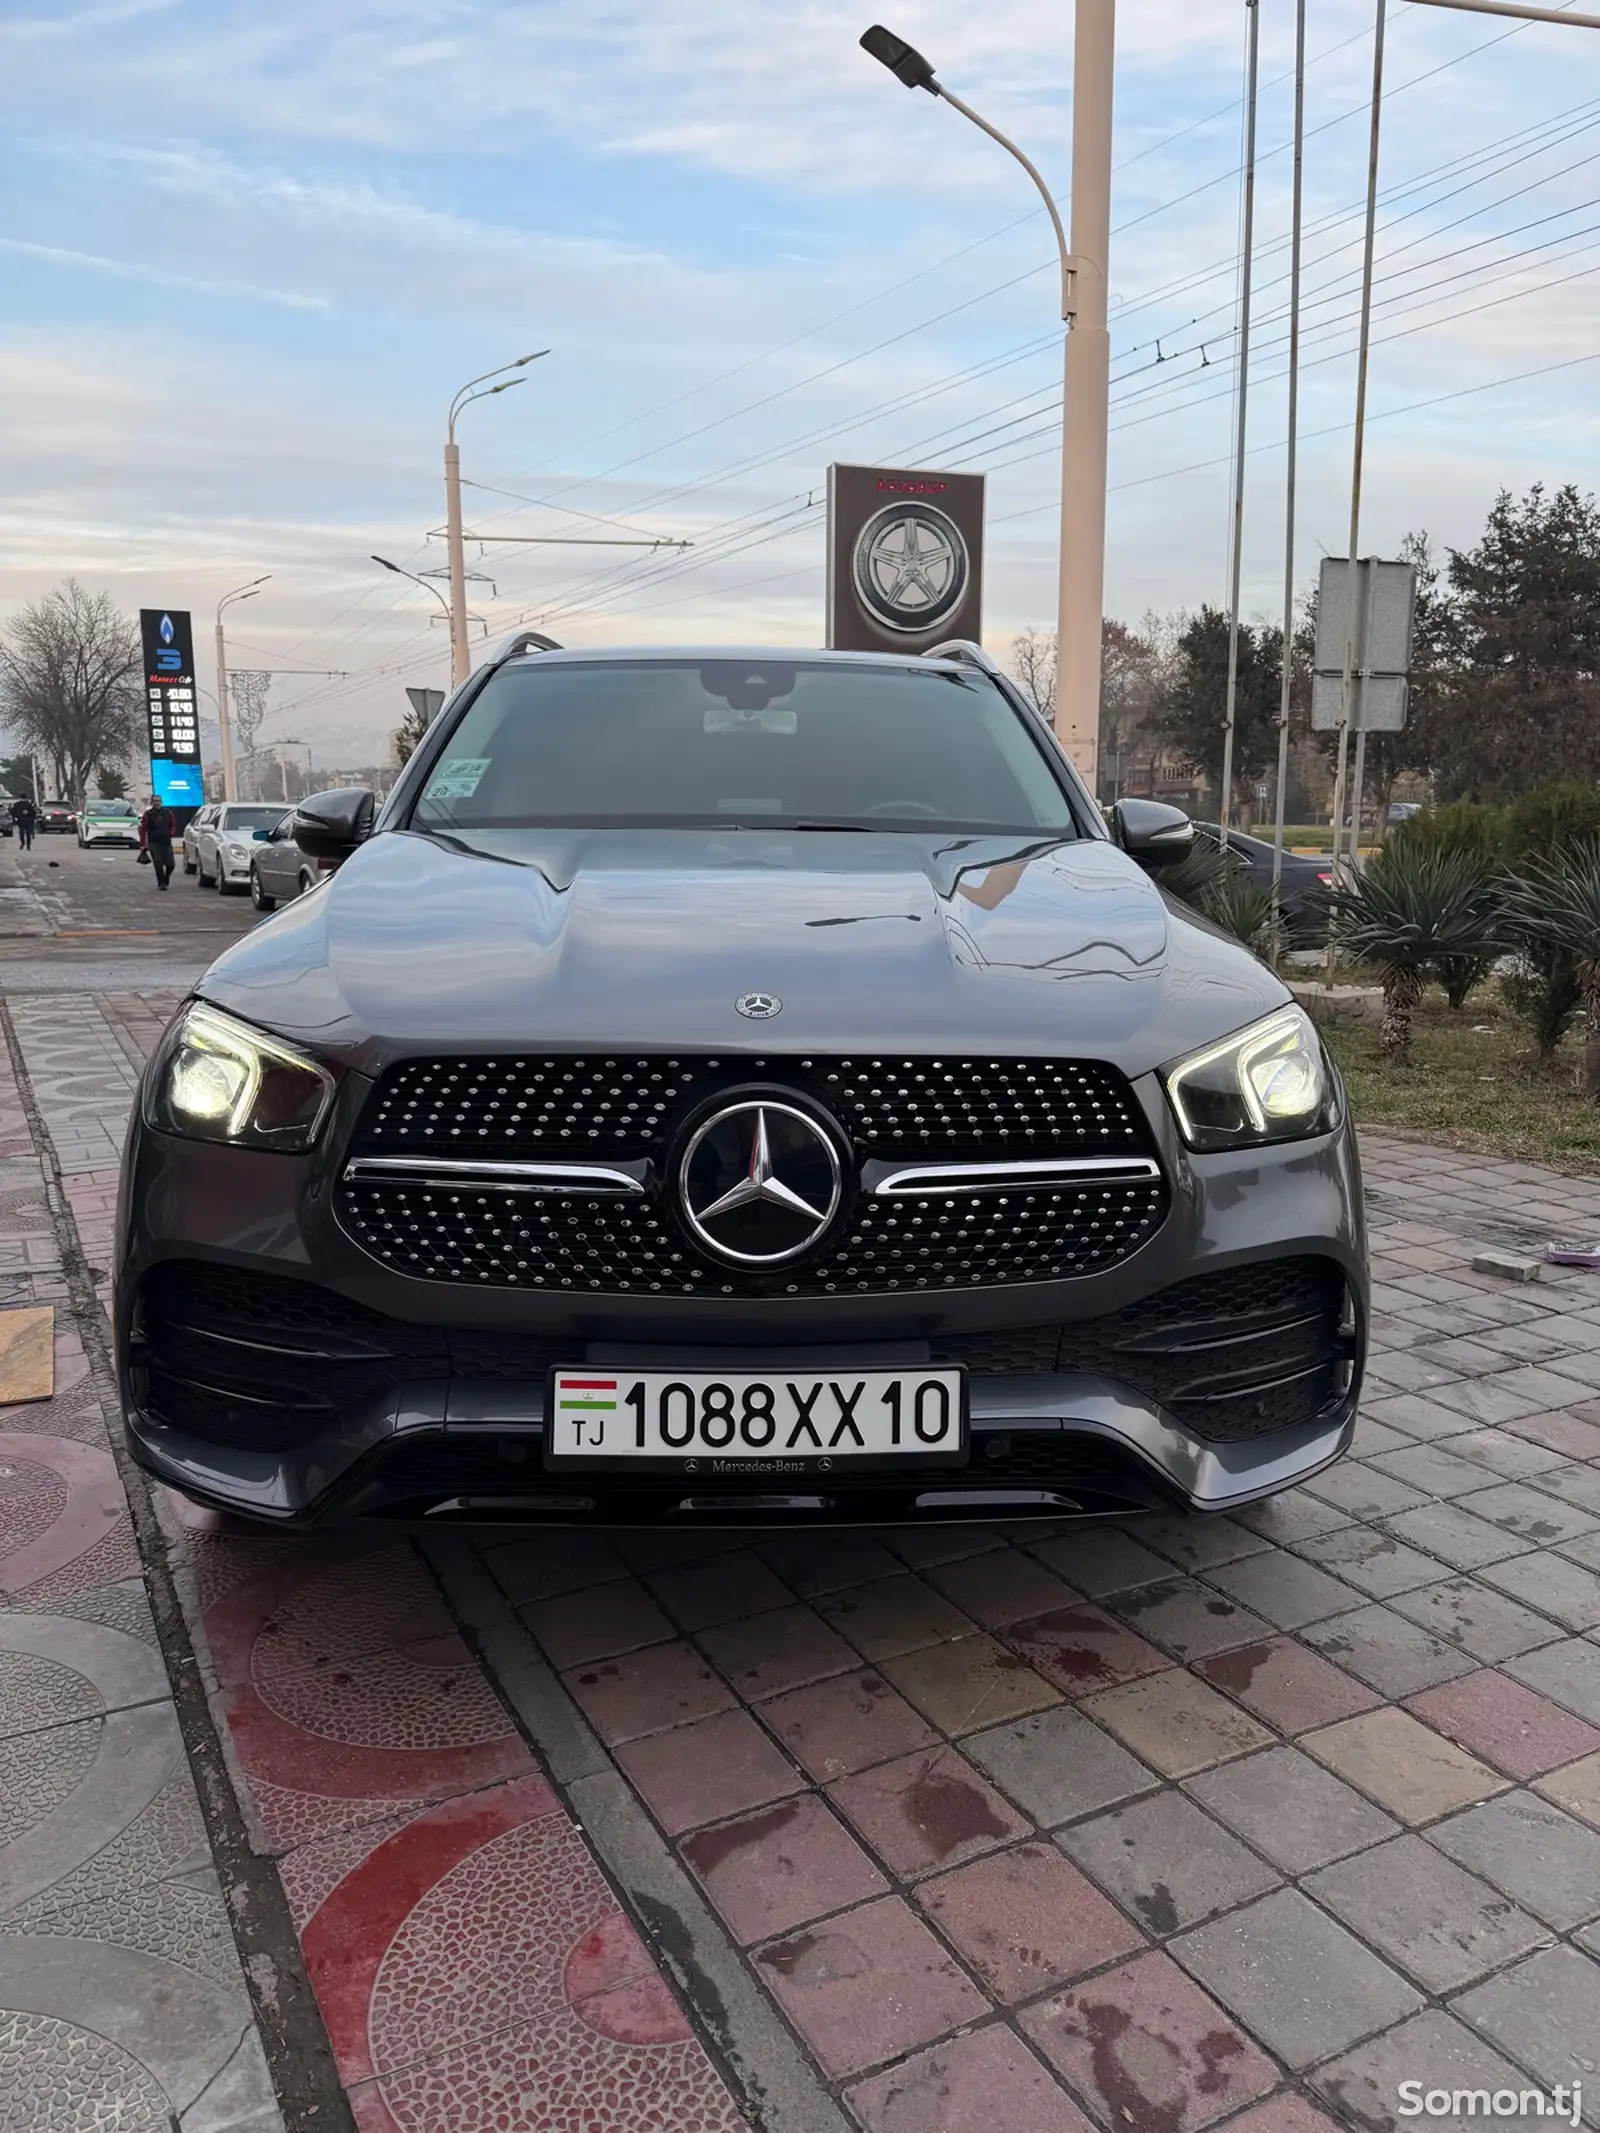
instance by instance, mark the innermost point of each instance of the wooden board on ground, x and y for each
(27, 1354)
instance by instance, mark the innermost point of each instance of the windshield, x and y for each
(743, 743)
(250, 818)
(111, 807)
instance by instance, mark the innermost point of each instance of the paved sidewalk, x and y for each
(1162, 1827)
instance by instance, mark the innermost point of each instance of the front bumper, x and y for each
(458, 1434)
(233, 866)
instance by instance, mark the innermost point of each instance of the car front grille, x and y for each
(620, 1109)
(265, 1363)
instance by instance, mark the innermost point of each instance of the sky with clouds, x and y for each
(248, 252)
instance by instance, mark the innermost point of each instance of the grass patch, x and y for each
(1473, 1084)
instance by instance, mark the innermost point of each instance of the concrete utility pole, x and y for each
(460, 661)
(230, 783)
(1086, 383)
(1296, 244)
(1236, 537)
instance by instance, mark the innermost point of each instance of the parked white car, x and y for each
(224, 844)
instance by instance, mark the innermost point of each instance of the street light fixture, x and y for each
(1087, 381)
(460, 664)
(230, 786)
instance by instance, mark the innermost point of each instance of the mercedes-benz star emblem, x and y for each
(911, 566)
(758, 1006)
(759, 1182)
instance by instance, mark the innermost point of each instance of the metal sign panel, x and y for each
(427, 703)
(905, 558)
(172, 708)
(1385, 607)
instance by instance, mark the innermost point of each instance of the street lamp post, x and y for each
(460, 664)
(230, 784)
(1087, 372)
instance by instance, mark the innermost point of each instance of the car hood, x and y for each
(648, 939)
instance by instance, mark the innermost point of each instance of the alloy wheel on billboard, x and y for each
(905, 558)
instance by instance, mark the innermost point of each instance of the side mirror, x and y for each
(1151, 831)
(262, 836)
(329, 825)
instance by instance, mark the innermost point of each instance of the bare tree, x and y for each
(70, 683)
(1033, 664)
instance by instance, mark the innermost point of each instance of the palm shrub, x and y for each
(1216, 883)
(1554, 905)
(1406, 911)
(1545, 826)
(1480, 832)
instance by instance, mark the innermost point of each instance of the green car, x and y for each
(108, 822)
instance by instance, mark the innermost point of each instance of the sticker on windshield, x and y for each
(457, 777)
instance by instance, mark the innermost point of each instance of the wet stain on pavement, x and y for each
(712, 1848)
(948, 1812)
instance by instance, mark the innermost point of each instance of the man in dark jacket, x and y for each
(25, 817)
(155, 837)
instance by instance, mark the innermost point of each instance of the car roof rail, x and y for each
(521, 641)
(965, 653)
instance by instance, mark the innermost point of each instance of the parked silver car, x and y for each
(279, 870)
(224, 842)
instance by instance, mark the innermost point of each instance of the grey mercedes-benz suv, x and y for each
(748, 1086)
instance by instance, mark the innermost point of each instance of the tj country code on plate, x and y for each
(776, 1418)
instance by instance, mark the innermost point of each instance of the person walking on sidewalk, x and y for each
(25, 818)
(155, 838)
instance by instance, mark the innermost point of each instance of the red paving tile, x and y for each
(548, 1563)
(707, 1771)
(664, 1686)
(1026, 1919)
(1497, 1719)
(597, 1623)
(1286, 1685)
(1081, 1649)
(63, 1517)
(844, 1724)
(867, 1986)
(1283, 2114)
(783, 1649)
(927, 1810)
(985, 2082)
(1149, 2048)
(772, 1870)
(723, 1589)
(1001, 1586)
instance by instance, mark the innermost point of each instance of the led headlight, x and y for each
(220, 1080)
(1270, 1082)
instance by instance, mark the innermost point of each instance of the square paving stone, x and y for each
(1441, 1925)
(867, 1986)
(1058, 1765)
(1551, 1584)
(1286, 1684)
(705, 1772)
(1539, 1856)
(921, 1545)
(1188, 1619)
(1512, 1458)
(538, 1569)
(1372, 1439)
(1391, 1654)
(1166, 1862)
(1432, 1468)
(984, 2082)
(1402, 1764)
(1296, 1980)
(597, 1623)
(1197, 1543)
(900, 1614)
(724, 1588)
(1373, 1561)
(783, 1649)
(1025, 1920)
(968, 1685)
(647, 1691)
(1432, 2049)
(1299, 1814)
(814, 1563)
(845, 1723)
(1176, 1723)
(1098, 1559)
(1496, 1718)
(773, 1869)
(1415, 1410)
(1288, 1591)
(926, 1811)
(1083, 1648)
(1546, 2014)
(1529, 1513)
(1576, 1434)
(1484, 1623)
(1363, 1492)
(1148, 2049)
(1576, 1787)
(1000, 1586)
(1283, 2113)
(1457, 1536)
(1483, 1399)
(1568, 1673)
(1293, 1517)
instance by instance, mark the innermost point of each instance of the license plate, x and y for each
(728, 1423)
